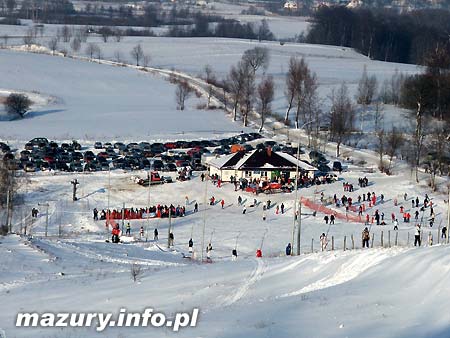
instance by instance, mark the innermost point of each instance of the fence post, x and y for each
(396, 238)
(332, 243)
(382, 239)
(312, 245)
(389, 238)
(438, 234)
(353, 243)
(345, 242)
(373, 238)
(407, 242)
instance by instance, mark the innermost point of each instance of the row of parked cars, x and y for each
(42, 154)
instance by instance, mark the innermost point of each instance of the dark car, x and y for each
(29, 167)
(170, 167)
(4, 147)
(157, 165)
(337, 166)
(76, 166)
(98, 145)
(39, 141)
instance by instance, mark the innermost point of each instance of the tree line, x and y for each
(382, 34)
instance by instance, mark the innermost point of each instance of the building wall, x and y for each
(225, 175)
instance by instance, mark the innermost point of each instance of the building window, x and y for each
(248, 174)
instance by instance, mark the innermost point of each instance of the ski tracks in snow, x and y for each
(243, 289)
(349, 270)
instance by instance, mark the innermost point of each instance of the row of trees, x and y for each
(381, 34)
(224, 29)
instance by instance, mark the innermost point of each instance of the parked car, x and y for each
(170, 167)
(29, 167)
(98, 145)
(337, 166)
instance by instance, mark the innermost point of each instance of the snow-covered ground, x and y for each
(92, 101)
(333, 65)
(377, 292)
(388, 292)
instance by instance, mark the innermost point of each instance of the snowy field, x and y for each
(91, 101)
(333, 65)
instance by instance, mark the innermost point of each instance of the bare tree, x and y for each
(292, 82)
(210, 79)
(118, 56)
(265, 98)
(235, 83)
(105, 33)
(53, 45)
(118, 34)
(310, 109)
(380, 136)
(8, 193)
(75, 44)
(92, 49)
(82, 33)
(17, 104)
(135, 272)
(366, 91)
(367, 87)
(5, 38)
(182, 93)
(66, 33)
(28, 38)
(393, 143)
(438, 149)
(146, 60)
(257, 57)
(137, 53)
(248, 91)
(342, 116)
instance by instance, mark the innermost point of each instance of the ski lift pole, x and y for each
(170, 226)
(212, 233)
(204, 215)
(299, 220)
(262, 241)
(237, 238)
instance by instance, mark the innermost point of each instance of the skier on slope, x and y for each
(288, 249)
(323, 241)
(208, 252)
(155, 234)
(417, 233)
(191, 246)
(365, 237)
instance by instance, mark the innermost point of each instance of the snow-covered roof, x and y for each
(219, 162)
(239, 161)
(293, 160)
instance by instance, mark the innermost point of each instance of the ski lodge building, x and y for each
(263, 164)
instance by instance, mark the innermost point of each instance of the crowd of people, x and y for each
(159, 211)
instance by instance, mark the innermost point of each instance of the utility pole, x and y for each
(299, 218)
(123, 215)
(296, 197)
(204, 215)
(8, 223)
(74, 183)
(46, 205)
(448, 214)
(170, 226)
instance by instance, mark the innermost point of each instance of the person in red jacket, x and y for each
(259, 253)
(222, 202)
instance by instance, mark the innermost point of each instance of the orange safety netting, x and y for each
(320, 208)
